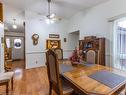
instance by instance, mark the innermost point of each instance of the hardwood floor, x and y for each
(18, 64)
(29, 82)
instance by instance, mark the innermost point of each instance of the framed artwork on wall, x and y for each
(65, 40)
(52, 44)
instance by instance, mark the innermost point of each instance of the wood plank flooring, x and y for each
(29, 82)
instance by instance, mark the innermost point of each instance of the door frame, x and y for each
(24, 46)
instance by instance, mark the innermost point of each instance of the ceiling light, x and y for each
(14, 24)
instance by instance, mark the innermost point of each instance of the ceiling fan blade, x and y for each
(49, 1)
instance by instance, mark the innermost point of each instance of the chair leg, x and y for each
(7, 88)
(125, 89)
(12, 83)
(50, 89)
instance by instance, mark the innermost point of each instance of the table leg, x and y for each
(12, 83)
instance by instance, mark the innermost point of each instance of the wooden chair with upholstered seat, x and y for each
(5, 79)
(59, 53)
(55, 81)
(8, 65)
(92, 56)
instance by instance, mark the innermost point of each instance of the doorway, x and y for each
(14, 50)
(74, 38)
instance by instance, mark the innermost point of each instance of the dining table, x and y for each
(93, 79)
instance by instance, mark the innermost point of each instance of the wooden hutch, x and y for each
(93, 43)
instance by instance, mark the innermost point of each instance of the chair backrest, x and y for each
(92, 56)
(53, 71)
(59, 53)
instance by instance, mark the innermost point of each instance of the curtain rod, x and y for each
(116, 17)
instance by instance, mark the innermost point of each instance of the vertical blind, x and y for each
(121, 48)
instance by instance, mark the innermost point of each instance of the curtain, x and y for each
(121, 48)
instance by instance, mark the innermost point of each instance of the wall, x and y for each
(94, 21)
(1, 48)
(35, 55)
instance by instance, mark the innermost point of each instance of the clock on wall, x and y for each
(35, 38)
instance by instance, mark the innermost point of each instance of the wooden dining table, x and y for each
(93, 79)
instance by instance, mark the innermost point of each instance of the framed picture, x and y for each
(65, 40)
(51, 44)
(54, 36)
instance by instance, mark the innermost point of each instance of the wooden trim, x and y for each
(24, 46)
(14, 32)
(13, 36)
(1, 12)
(45, 52)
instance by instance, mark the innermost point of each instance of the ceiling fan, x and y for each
(51, 17)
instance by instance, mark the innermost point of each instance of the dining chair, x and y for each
(55, 82)
(92, 56)
(5, 79)
(59, 53)
(8, 65)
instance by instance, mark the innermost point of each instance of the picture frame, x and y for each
(52, 44)
(54, 36)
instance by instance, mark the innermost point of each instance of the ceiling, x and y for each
(63, 8)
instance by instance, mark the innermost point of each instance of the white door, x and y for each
(18, 48)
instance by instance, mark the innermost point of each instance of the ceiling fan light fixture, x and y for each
(52, 21)
(14, 26)
(49, 21)
(52, 15)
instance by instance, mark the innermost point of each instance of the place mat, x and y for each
(87, 64)
(107, 78)
(65, 68)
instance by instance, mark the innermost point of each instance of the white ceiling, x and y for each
(63, 8)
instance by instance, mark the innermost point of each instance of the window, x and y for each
(8, 42)
(120, 45)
